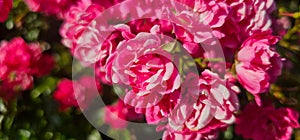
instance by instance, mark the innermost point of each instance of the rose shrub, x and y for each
(138, 69)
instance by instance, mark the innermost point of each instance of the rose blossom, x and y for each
(251, 15)
(152, 79)
(266, 123)
(215, 102)
(76, 93)
(76, 20)
(19, 63)
(258, 65)
(233, 21)
(143, 65)
(5, 7)
(64, 94)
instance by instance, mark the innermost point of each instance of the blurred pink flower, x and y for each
(64, 94)
(5, 7)
(213, 108)
(43, 66)
(258, 65)
(267, 122)
(76, 93)
(19, 62)
(281, 25)
(119, 114)
(51, 7)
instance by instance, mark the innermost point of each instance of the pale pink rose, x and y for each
(118, 115)
(76, 21)
(205, 108)
(258, 65)
(266, 123)
(145, 67)
(5, 7)
(252, 15)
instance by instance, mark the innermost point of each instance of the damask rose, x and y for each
(258, 64)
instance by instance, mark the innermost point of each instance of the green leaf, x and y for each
(95, 135)
(24, 134)
(119, 134)
(46, 85)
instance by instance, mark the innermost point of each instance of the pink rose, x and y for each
(266, 123)
(64, 94)
(205, 108)
(232, 21)
(76, 93)
(19, 62)
(258, 65)
(5, 7)
(76, 21)
(252, 15)
(145, 67)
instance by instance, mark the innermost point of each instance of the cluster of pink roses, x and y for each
(19, 63)
(132, 55)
